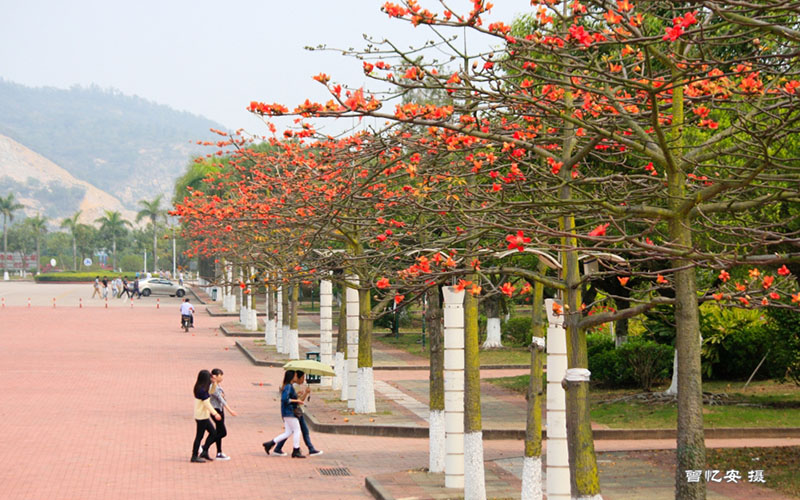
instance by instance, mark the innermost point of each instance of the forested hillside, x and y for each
(125, 145)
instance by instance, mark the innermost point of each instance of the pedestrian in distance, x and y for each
(304, 394)
(96, 287)
(114, 288)
(105, 287)
(126, 289)
(291, 424)
(202, 413)
(136, 290)
(221, 405)
(187, 311)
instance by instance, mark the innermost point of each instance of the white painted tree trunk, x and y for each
(294, 344)
(474, 478)
(454, 387)
(340, 380)
(436, 441)
(493, 334)
(352, 342)
(531, 478)
(673, 386)
(365, 391)
(287, 338)
(558, 477)
(326, 327)
(279, 321)
(269, 325)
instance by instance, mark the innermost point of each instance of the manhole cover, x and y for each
(335, 471)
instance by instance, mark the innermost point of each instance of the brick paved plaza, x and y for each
(98, 405)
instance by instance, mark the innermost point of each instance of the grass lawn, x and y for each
(781, 406)
(412, 345)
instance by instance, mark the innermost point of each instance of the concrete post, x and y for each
(454, 387)
(352, 342)
(326, 327)
(558, 478)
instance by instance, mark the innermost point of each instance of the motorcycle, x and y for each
(186, 322)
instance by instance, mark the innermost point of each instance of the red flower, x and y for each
(661, 279)
(717, 296)
(767, 281)
(623, 280)
(507, 289)
(382, 283)
(724, 276)
(518, 241)
(784, 271)
(398, 298)
(774, 296)
(557, 309)
(462, 284)
(599, 230)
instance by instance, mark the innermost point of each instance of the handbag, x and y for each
(297, 411)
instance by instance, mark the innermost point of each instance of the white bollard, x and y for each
(326, 327)
(80, 303)
(558, 477)
(158, 303)
(352, 342)
(454, 387)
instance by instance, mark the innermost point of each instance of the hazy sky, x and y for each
(209, 58)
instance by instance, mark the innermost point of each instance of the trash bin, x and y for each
(214, 294)
(313, 379)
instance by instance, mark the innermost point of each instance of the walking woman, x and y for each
(291, 425)
(202, 411)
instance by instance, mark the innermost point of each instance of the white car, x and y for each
(160, 286)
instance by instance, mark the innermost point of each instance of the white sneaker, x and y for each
(222, 456)
(279, 453)
(315, 452)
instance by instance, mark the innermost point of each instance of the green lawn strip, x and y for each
(412, 345)
(780, 465)
(636, 415)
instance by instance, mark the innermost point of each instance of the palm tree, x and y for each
(112, 224)
(8, 206)
(152, 210)
(72, 225)
(38, 225)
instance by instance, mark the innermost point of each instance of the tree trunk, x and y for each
(155, 247)
(5, 243)
(74, 253)
(294, 347)
(114, 250)
(341, 346)
(287, 314)
(493, 331)
(532, 461)
(38, 255)
(474, 479)
(365, 395)
(436, 432)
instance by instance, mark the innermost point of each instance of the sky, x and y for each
(208, 58)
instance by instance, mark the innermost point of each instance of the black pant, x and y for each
(221, 430)
(202, 427)
(189, 317)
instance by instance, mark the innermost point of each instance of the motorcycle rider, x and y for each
(187, 310)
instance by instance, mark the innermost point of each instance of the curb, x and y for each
(376, 490)
(201, 301)
(235, 333)
(233, 314)
(259, 362)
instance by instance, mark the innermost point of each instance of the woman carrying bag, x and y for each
(291, 424)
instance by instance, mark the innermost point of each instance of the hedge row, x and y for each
(80, 276)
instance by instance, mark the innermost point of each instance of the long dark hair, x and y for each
(203, 382)
(288, 376)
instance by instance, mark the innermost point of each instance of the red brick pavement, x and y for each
(97, 404)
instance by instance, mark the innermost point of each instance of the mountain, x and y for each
(43, 187)
(129, 147)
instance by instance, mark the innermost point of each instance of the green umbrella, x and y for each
(310, 367)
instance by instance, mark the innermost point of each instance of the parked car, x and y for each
(161, 286)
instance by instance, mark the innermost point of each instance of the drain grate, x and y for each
(335, 471)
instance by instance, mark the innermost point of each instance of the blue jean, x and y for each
(306, 439)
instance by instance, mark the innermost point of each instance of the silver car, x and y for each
(161, 286)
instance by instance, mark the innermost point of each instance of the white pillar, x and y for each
(352, 342)
(5, 275)
(279, 324)
(326, 326)
(454, 387)
(558, 478)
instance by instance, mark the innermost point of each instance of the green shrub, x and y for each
(387, 320)
(636, 363)
(517, 331)
(783, 331)
(648, 361)
(734, 341)
(87, 276)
